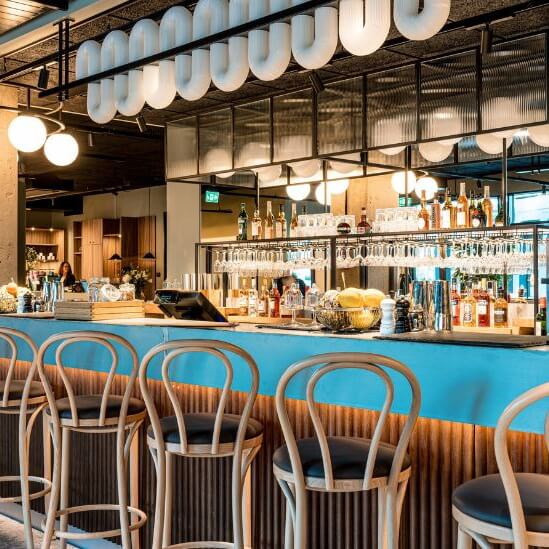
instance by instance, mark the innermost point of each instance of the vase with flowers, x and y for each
(137, 276)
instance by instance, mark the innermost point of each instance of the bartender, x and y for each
(66, 275)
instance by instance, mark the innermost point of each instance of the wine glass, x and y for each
(293, 301)
(312, 302)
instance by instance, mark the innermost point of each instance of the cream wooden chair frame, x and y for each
(28, 409)
(242, 450)
(127, 443)
(487, 534)
(391, 489)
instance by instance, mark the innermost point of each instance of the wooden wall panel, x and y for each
(444, 455)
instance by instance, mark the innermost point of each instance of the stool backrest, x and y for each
(102, 339)
(218, 349)
(10, 336)
(376, 364)
(520, 538)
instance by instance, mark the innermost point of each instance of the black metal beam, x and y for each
(54, 4)
(259, 23)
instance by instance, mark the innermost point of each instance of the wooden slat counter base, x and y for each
(444, 454)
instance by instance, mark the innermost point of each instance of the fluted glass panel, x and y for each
(469, 151)
(448, 105)
(252, 134)
(419, 161)
(293, 125)
(514, 83)
(391, 107)
(216, 143)
(181, 148)
(340, 117)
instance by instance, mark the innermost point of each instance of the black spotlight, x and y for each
(91, 140)
(43, 78)
(486, 40)
(316, 82)
(141, 123)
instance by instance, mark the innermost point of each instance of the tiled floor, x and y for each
(11, 535)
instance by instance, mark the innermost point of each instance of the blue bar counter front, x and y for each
(463, 384)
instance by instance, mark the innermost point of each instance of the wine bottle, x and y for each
(242, 223)
(269, 222)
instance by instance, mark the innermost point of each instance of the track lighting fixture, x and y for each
(486, 40)
(43, 78)
(141, 123)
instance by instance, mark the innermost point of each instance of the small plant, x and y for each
(31, 258)
(137, 276)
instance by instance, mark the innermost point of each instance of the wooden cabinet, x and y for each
(92, 248)
(48, 242)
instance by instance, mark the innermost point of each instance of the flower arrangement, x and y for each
(137, 276)
(31, 258)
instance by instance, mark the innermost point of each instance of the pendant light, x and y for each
(149, 254)
(116, 256)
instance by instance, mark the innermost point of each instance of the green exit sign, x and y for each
(402, 201)
(212, 197)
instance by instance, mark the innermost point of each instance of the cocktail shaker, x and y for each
(440, 309)
(419, 307)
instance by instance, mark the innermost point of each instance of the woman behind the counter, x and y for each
(65, 274)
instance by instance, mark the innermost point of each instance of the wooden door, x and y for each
(92, 248)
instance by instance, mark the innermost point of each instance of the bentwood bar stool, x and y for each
(25, 398)
(93, 414)
(344, 464)
(202, 435)
(507, 507)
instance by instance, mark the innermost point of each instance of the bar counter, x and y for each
(464, 391)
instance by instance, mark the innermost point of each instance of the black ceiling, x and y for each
(120, 154)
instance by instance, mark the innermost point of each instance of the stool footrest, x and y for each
(142, 519)
(36, 495)
(204, 545)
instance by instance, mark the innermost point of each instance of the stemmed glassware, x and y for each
(293, 301)
(312, 303)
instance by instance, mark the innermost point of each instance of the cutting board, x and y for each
(471, 339)
(77, 310)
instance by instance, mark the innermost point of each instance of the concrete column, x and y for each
(183, 227)
(12, 198)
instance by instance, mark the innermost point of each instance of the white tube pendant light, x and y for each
(420, 25)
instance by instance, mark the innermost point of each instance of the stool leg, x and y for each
(400, 503)
(464, 540)
(168, 501)
(65, 480)
(159, 460)
(122, 483)
(55, 431)
(134, 479)
(301, 513)
(382, 518)
(46, 441)
(288, 492)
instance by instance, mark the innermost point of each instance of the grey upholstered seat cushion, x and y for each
(484, 499)
(349, 456)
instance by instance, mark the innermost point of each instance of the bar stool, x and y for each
(202, 435)
(93, 414)
(25, 398)
(507, 507)
(344, 464)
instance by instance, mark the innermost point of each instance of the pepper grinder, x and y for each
(402, 324)
(387, 326)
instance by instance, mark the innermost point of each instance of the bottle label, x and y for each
(455, 308)
(475, 222)
(421, 223)
(255, 228)
(278, 233)
(445, 219)
(467, 313)
(461, 218)
(500, 316)
(360, 229)
(482, 307)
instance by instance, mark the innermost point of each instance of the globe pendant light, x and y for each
(539, 135)
(27, 133)
(61, 149)
(398, 182)
(426, 185)
(298, 192)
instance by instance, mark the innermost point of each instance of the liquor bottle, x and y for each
(462, 208)
(541, 318)
(456, 304)
(487, 207)
(242, 223)
(446, 212)
(469, 310)
(483, 307)
(500, 311)
(471, 209)
(423, 217)
(263, 305)
(343, 227)
(476, 215)
(252, 300)
(257, 225)
(499, 221)
(243, 299)
(293, 222)
(363, 226)
(281, 230)
(274, 301)
(269, 222)
(436, 213)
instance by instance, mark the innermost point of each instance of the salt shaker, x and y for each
(387, 316)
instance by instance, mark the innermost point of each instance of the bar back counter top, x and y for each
(464, 384)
